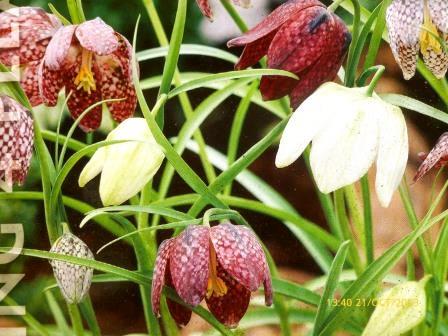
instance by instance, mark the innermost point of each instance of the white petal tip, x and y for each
(282, 161)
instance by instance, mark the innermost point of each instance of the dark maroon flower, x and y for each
(16, 142)
(222, 264)
(35, 28)
(437, 157)
(300, 36)
(204, 6)
(93, 62)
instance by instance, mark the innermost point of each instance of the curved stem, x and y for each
(379, 72)
(173, 55)
(76, 319)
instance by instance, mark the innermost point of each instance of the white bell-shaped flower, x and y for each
(349, 130)
(125, 167)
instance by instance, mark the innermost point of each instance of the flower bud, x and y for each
(125, 167)
(398, 310)
(73, 280)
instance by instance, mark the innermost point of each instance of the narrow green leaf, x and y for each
(196, 83)
(188, 49)
(331, 285)
(415, 105)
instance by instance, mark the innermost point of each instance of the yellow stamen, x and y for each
(85, 79)
(428, 39)
(216, 286)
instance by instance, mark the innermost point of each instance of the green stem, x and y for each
(355, 213)
(375, 79)
(173, 54)
(183, 97)
(142, 222)
(145, 265)
(368, 225)
(237, 126)
(76, 319)
(46, 166)
(76, 11)
(413, 221)
(350, 77)
(234, 15)
(346, 231)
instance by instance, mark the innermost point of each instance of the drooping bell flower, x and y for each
(125, 167)
(415, 25)
(73, 280)
(16, 142)
(437, 157)
(300, 36)
(25, 33)
(206, 10)
(93, 62)
(349, 130)
(222, 264)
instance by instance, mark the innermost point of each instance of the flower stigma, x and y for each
(85, 79)
(216, 286)
(429, 34)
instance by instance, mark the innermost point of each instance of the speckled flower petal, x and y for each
(16, 141)
(35, 28)
(231, 307)
(204, 6)
(298, 44)
(116, 81)
(180, 313)
(50, 84)
(80, 100)
(438, 154)
(326, 67)
(436, 60)
(30, 82)
(158, 279)
(254, 51)
(189, 264)
(273, 21)
(439, 14)
(58, 48)
(73, 280)
(95, 35)
(404, 19)
(240, 254)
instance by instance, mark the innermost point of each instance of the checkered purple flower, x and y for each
(16, 142)
(35, 28)
(222, 264)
